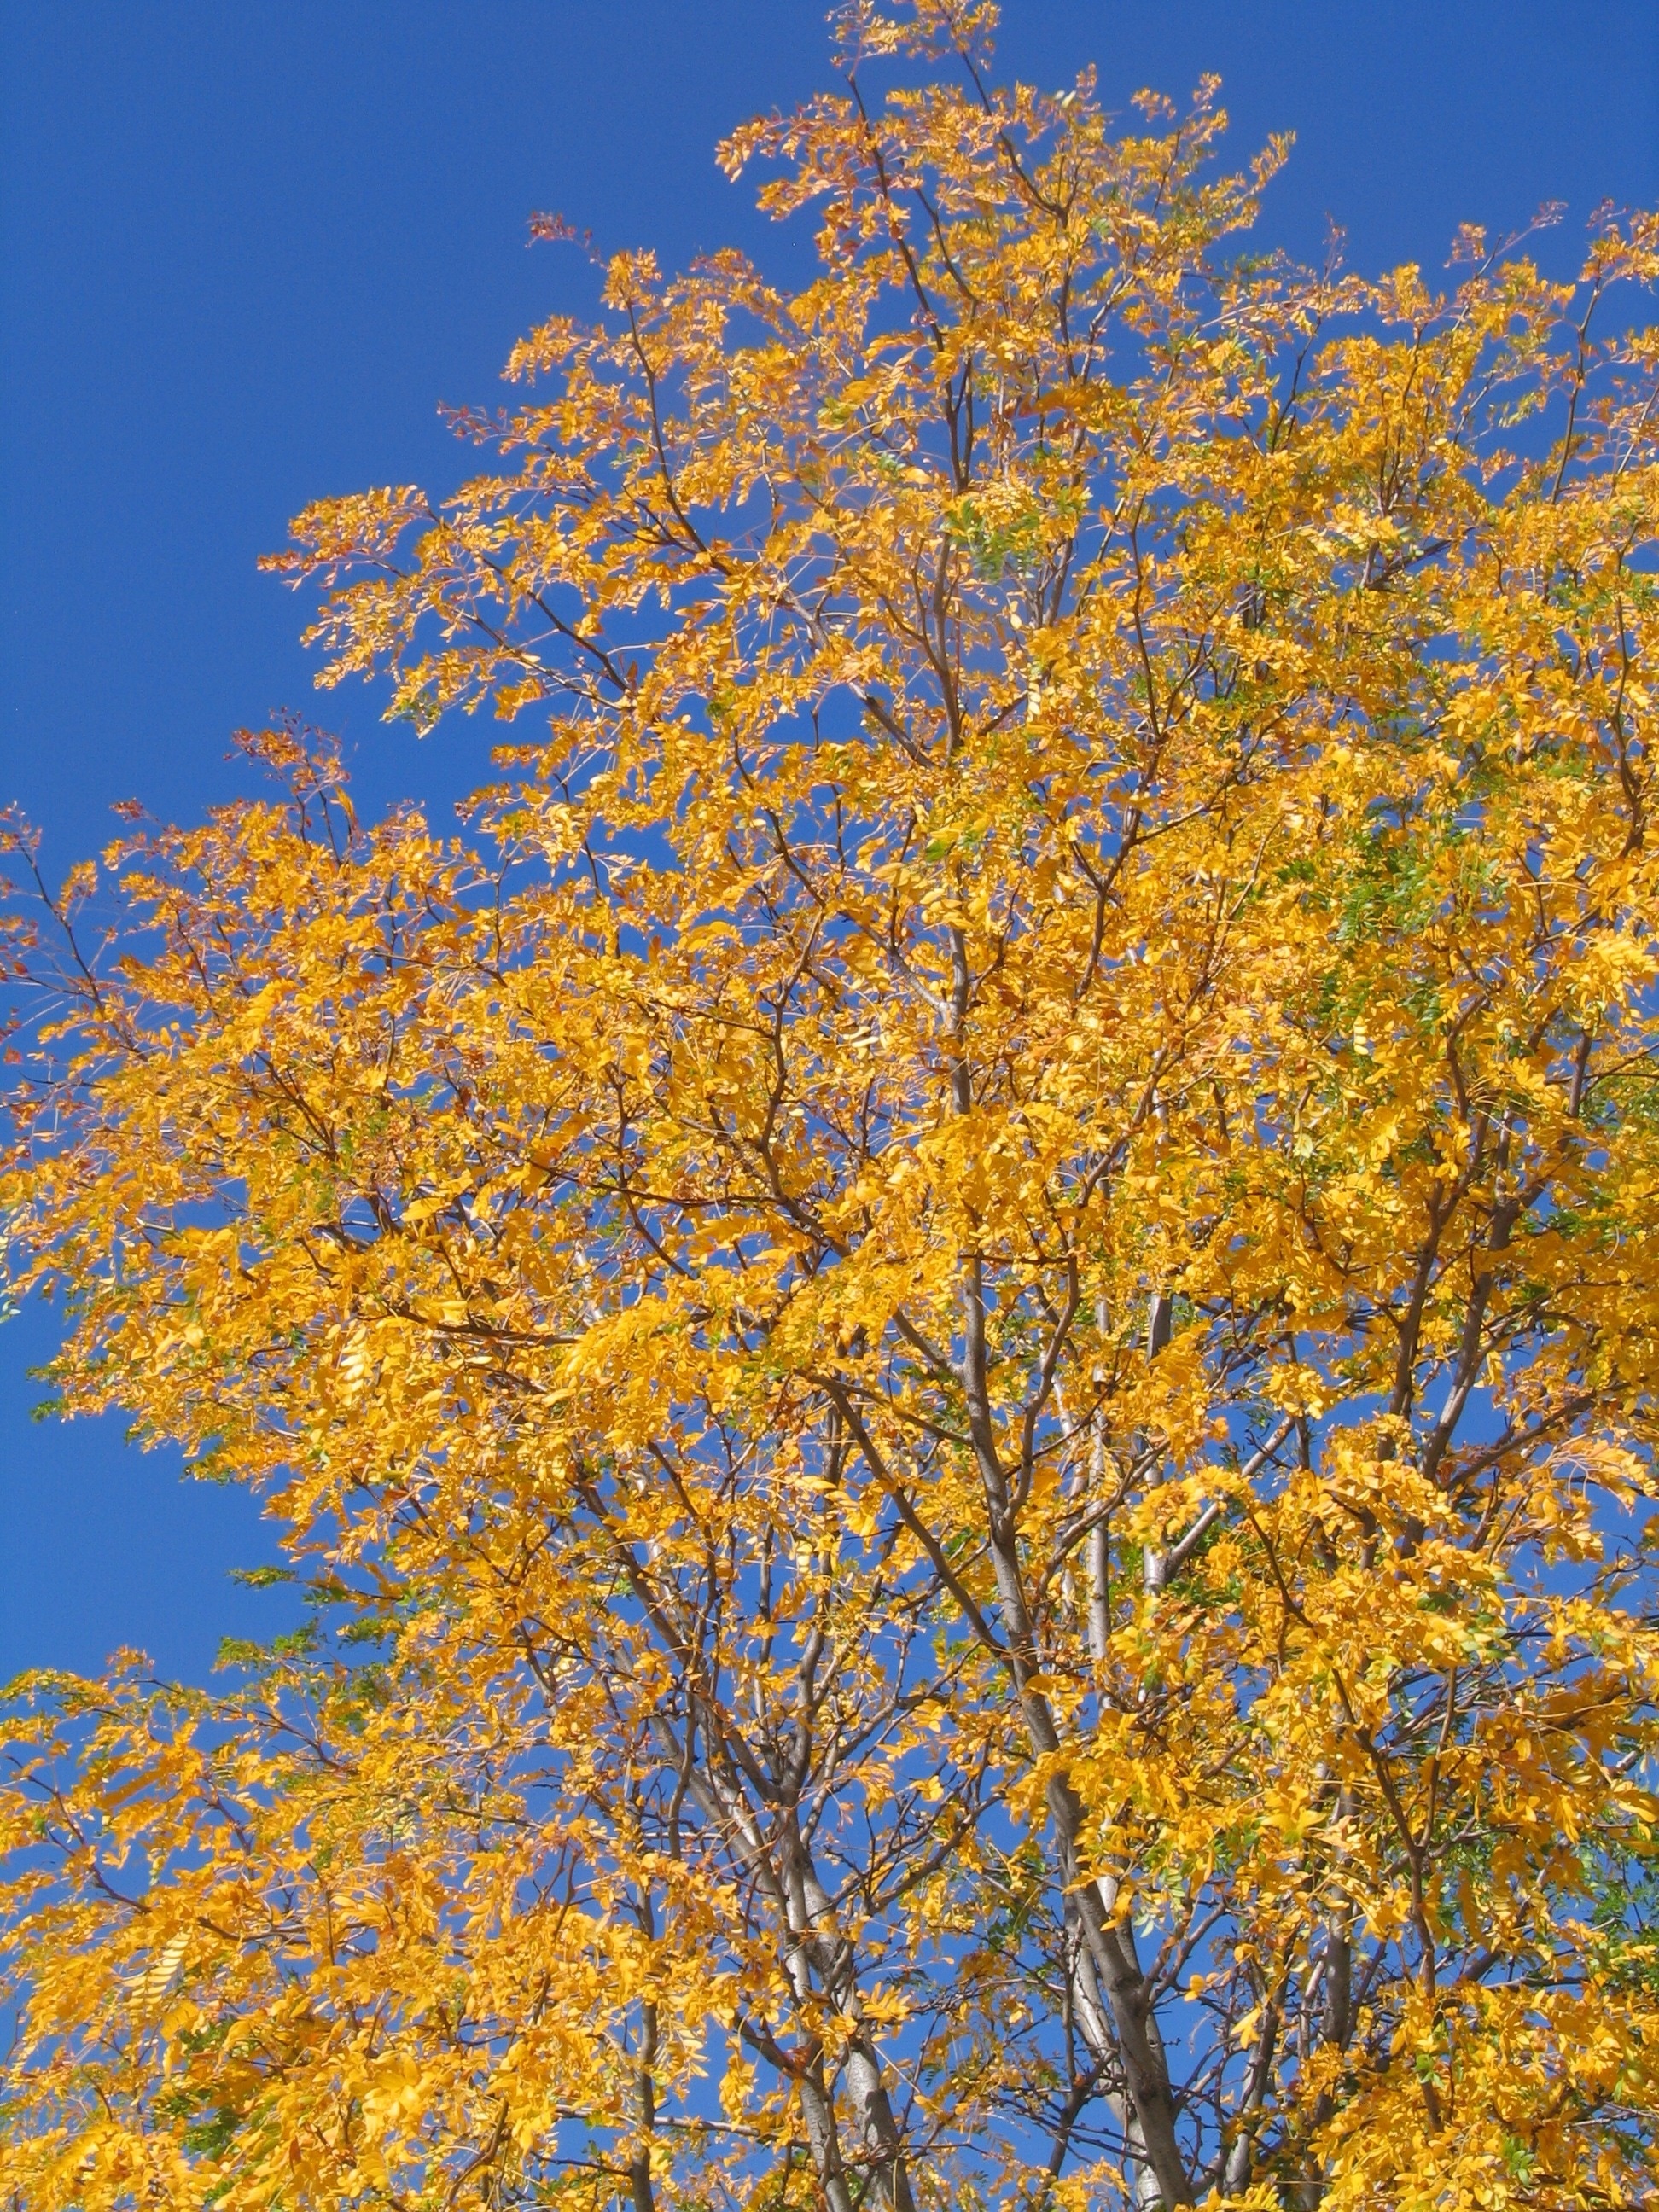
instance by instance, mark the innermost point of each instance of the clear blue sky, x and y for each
(244, 251)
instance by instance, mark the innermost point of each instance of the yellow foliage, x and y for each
(961, 1324)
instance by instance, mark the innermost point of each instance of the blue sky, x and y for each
(246, 250)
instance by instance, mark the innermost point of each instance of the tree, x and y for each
(958, 1327)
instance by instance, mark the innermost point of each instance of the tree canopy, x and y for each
(957, 1324)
